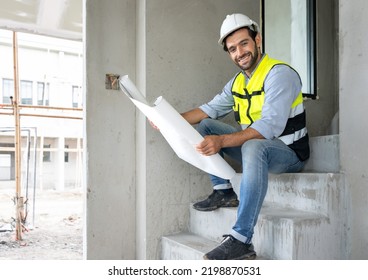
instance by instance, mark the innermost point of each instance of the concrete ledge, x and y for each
(325, 154)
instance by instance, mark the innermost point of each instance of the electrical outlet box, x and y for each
(112, 81)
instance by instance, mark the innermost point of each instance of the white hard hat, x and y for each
(234, 22)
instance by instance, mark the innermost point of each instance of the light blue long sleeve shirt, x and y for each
(282, 86)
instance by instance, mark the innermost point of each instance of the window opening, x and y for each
(8, 90)
(66, 154)
(43, 93)
(288, 28)
(26, 92)
(47, 153)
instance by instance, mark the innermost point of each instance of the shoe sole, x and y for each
(228, 204)
(250, 256)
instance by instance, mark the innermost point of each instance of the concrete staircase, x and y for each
(304, 215)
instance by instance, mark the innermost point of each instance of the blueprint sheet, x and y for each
(181, 136)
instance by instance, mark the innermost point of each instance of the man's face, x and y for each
(243, 50)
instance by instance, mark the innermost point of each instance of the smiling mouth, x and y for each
(245, 58)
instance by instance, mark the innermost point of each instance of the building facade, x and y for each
(49, 75)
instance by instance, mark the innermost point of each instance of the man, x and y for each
(272, 137)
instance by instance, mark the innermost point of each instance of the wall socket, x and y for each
(112, 81)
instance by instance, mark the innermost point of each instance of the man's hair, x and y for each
(251, 32)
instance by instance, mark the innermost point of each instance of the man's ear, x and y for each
(258, 40)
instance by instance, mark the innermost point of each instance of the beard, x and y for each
(252, 63)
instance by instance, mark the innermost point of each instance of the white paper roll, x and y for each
(180, 135)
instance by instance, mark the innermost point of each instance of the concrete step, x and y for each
(282, 234)
(289, 234)
(187, 246)
(303, 217)
(312, 192)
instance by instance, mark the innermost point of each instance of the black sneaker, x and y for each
(216, 200)
(231, 249)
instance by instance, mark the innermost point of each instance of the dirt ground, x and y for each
(57, 231)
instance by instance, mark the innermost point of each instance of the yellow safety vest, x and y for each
(249, 100)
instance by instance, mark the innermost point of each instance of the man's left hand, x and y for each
(210, 145)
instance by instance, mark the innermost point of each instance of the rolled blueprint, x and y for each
(181, 136)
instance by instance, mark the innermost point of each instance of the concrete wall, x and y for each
(138, 190)
(186, 66)
(353, 50)
(175, 55)
(109, 131)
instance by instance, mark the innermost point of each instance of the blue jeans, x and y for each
(258, 157)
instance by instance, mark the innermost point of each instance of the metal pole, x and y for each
(34, 174)
(7, 106)
(44, 116)
(18, 196)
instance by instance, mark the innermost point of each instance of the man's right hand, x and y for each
(153, 125)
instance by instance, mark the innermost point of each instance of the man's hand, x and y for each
(153, 125)
(210, 145)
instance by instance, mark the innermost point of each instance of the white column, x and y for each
(40, 164)
(59, 164)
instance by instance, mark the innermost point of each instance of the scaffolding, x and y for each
(15, 109)
(29, 174)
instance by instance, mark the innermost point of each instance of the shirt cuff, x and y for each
(263, 129)
(209, 111)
